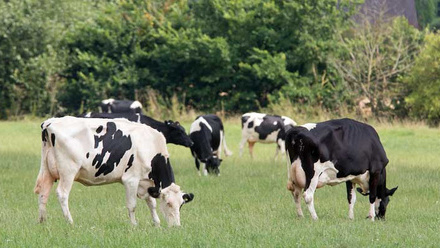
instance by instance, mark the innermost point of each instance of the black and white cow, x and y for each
(120, 106)
(99, 151)
(264, 128)
(333, 152)
(174, 133)
(208, 136)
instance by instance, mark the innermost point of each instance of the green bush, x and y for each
(424, 82)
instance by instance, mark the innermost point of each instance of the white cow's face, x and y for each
(172, 199)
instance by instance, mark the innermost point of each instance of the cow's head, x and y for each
(177, 134)
(384, 202)
(213, 164)
(171, 200)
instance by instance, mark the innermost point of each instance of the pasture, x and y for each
(247, 206)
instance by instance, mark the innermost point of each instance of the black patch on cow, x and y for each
(52, 138)
(243, 120)
(130, 162)
(87, 155)
(116, 144)
(161, 172)
(44, 135)
(267, 126)
(251, 124)
(99, 129)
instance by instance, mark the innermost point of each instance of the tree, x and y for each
(374, 56)
(424, 82)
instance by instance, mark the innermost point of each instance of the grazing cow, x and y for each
(208, 136)
(174, 133)
(264, 128)
(336, 151)
(120, 106)
(97, 152)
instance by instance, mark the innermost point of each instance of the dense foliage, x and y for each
(424, 82)
(427, 13)
(63, 57)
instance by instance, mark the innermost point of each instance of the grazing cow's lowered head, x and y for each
(212, 164)
(171, 200)
(336, 151)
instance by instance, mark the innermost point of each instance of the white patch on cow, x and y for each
(309, 126)
(108, 101)
(352, 202)
(372, 212)
(171, 200)
(195, 126)
(136, 104)
(288, 121)
(275, 123)
(139, 117)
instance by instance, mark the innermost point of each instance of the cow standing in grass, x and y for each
(264, 128)
(120, 106)
(208, 136)
(99, 151)
(333, 152)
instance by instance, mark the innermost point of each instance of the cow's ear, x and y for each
(188, 197)
(154, 192)
(390, 192)
(177, 123)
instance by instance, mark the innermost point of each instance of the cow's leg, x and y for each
(197, 165)
(309, 194)
(63, 191)
(242, 142)
(44, 187)
(205, 171)
(351, 197)
(131, 188)
(276, 152)
(251, 148)
(218, 152)
(373, 183)
(296, 193)
(151, 202)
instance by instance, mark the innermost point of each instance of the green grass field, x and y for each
(247, 206)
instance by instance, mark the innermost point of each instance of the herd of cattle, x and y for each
(120, 144)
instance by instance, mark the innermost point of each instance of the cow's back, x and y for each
(359, 144)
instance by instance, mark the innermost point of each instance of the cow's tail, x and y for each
(227, 151)
(44, 179)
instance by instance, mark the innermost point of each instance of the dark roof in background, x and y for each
(390, 8)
